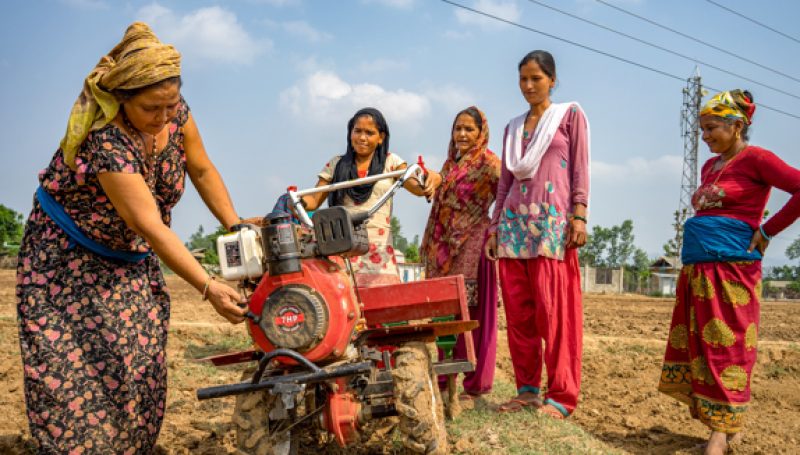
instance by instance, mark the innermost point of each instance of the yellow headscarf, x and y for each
(730, 104)
(139, 60)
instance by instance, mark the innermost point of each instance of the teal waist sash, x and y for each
(717, 239)
(57, 213)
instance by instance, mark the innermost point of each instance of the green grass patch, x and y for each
(775, 370)
(526, 432)
(219, 343)
(619, 348)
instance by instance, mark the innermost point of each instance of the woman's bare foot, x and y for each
(717, 443)
(734, 438)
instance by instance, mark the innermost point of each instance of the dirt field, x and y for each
(620, 410)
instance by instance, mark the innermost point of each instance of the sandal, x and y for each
(466, 396)
(518, 404)
(551, 411)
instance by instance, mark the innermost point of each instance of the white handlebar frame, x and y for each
(401, 175)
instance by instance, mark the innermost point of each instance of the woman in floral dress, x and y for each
(712, 345)
(368, 154)
(92, 303)
(455, 235)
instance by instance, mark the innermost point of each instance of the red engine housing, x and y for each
(330, 281)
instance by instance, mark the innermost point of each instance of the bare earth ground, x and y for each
(620, 410)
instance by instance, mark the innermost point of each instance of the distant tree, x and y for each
(592, 253)
(412, 253)
(783, 273)
(398, 241)
(672, 247)
(609, 247)
(793, 251)
(621, 247)
(201, 240)
(11, 228)
(640, 268)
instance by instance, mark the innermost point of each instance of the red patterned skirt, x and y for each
(711, 349)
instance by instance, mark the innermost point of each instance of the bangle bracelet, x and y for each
(207, 285)
(764, 234)
(580, 218)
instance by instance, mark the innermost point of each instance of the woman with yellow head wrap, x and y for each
(711, 348)
(92, 303)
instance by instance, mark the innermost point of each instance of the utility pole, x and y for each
(690, 131)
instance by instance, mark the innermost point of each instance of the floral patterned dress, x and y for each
(531, 215)
(713, 340)
(379, 265)
(93, 331)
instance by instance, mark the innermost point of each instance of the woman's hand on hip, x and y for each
(758, 242)
(225, 301)
(490, 248)
(577, 233)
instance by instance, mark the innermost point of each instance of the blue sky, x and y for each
(272, 84)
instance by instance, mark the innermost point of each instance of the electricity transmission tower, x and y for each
(690, 131)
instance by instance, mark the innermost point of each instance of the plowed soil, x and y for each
(624, 342)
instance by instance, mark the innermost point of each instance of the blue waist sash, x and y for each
(717, 239)
(57, 213)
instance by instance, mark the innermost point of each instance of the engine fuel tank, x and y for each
(313, 311)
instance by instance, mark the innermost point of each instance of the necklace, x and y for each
(136, 136)
(726, 163)
(525, 133)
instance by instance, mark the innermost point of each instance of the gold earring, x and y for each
(738, 135)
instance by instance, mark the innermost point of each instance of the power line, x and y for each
(717, 48)
(656, 46)
(753, 21)
(565, 40)
(597, 51)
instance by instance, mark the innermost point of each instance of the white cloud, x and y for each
(400, 4)
(638, 169)
(505, 9)
(456, 35)
(211, 33)
(277, 3)
(304, 30)
(451, 97)
(381, 65)
(86, 4)
(324, 95)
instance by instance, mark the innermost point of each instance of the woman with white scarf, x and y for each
(539, 221)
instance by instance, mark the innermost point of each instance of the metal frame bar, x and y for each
(401, 175)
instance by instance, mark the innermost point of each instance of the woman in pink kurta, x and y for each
(539, 221)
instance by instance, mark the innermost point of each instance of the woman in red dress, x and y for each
(712, 342)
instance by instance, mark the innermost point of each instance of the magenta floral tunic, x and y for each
(93, 331)
(531, 216)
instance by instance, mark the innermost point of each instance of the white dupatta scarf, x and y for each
(525, 167)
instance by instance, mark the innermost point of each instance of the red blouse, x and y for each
(741, 189)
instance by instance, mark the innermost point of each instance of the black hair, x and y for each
(346, 167)
(124, 95)
(542, 58)
(745, 134)
(746, 127)
(472, 111)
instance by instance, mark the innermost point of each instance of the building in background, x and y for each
(664, 274)
(409, 271)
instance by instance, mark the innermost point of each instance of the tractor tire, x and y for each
(250, 417)
(418, 400)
